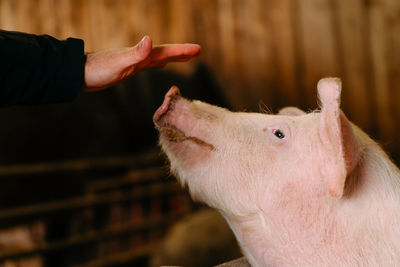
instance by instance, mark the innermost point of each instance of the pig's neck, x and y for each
(377, 175)
(249, 234)
(367, 215)
(371, 210)
(285, 241)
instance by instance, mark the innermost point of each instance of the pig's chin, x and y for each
(184, 153)
(183, 150)
(171, 134)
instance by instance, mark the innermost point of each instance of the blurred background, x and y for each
(83, 183)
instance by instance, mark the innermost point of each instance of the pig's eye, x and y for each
(278, 133)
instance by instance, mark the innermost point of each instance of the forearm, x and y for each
(38, 69)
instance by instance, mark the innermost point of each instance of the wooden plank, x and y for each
(206, 24)
(180, 26)
(286, 45)
(352, 31)
(64, 18)
(181, 30)
(228, 54)
(255, 45)
(93, 236)
(82, 22)
(280, 16)
(122, 25)
(381, 90)
(227, 36)
(97, 16)
(123, 258)
(244, 17)
(296, 17)
(113, 23)
(48, 23)
(27, 19)
(19, 215)
(392, 18)
(148, 159)
(7, 15)
(134, 14)
(156, 15)
(318, 43)
(135, 177)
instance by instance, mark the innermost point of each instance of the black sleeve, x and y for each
(39, 69)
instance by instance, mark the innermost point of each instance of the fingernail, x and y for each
(142, 43)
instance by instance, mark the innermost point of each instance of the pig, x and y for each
(22, 239)
(202, 238)
(296, 188)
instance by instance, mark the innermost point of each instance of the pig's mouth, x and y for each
(165, 125)
(173, 134)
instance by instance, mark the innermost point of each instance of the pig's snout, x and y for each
(172, 93)
(179, 120)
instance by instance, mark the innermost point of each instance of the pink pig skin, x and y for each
(297, 189)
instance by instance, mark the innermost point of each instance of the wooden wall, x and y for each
(261, 51)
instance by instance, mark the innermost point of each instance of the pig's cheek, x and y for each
(235, 186)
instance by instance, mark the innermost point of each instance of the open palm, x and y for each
(105, 68)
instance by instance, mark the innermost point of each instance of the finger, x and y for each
(162, 52)
(141, 51)
(151, 63)
(171, 59)
(162, 63)
(155, 65)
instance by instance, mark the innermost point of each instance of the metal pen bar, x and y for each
(135, 177)
(148, 159)
(122, 258)
(93, 236)
(16, 215)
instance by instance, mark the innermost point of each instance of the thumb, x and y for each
(141, 51)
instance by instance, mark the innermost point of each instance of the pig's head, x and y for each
(244, 163)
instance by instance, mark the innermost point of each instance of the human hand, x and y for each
(106, 68)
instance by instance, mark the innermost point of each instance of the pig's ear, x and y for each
(337, 137)
(291, 111)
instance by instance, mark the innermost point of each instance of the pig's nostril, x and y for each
(172, 93)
